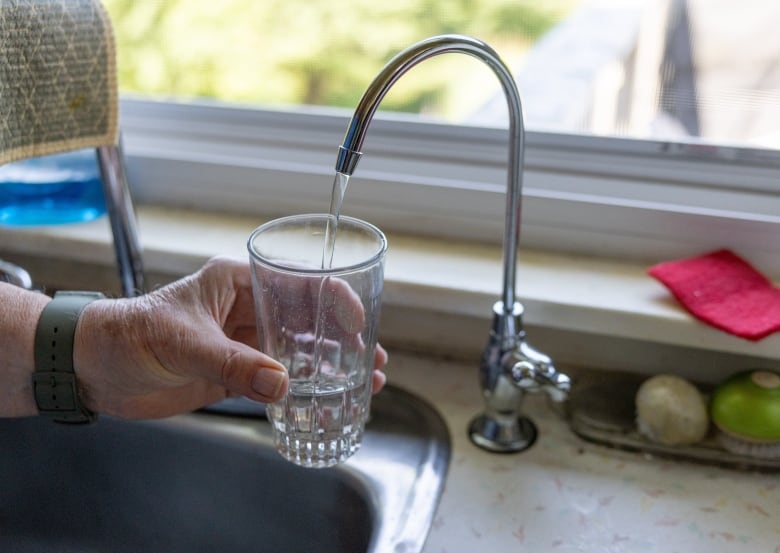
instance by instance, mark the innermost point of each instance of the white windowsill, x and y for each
(614, 198)
(449, 278)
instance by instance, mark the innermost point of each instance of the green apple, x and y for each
(747, 405)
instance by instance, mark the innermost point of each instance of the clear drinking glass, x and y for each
(321, 323)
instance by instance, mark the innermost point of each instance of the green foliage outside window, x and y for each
(291, 52)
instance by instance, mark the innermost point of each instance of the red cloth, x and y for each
(724, 291)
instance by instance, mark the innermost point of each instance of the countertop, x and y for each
(567, 495)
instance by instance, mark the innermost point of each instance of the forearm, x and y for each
(21, 311)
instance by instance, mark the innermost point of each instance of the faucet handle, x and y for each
(532, 371)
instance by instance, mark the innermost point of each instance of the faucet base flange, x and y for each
(511, 435)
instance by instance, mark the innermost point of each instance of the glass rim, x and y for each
(359, 223)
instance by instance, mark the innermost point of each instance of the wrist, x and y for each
(104, 346)
(91, 353)
(22, 310)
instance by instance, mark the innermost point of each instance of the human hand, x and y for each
(179, 348)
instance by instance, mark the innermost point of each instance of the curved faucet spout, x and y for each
(350, 150)
(501, 428)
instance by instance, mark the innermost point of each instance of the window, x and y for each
(644, 139)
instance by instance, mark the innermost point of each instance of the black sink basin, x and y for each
(212, 482)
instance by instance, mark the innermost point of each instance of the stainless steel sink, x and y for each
(211, 481)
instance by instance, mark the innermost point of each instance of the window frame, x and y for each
(587, 195)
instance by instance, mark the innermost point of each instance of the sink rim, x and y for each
(404, 504)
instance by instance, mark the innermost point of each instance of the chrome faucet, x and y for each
(509, 367)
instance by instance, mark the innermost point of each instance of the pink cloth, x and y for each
(725, 291)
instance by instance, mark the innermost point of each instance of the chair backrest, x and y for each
(58, 92)
(58, 85)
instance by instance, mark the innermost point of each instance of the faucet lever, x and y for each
(532, 371)
(530, 379)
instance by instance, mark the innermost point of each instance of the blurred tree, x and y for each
(306, 51)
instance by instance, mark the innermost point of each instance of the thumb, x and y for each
(245, 371)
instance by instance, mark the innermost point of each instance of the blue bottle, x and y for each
(48, 190)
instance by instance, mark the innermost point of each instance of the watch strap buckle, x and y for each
(57, 397)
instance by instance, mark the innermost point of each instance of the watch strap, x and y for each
(54, 382)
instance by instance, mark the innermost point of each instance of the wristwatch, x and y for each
(54, 382)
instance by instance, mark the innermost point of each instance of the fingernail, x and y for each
(268, 382)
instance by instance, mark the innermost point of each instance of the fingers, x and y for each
(289, 300)
(254, 375)
(269, 384)
(297, 300)
(227, 290)
(380, 360)
(378, 381)
(344, 308)
(242, 370)
(234, 361)
(380, 357)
